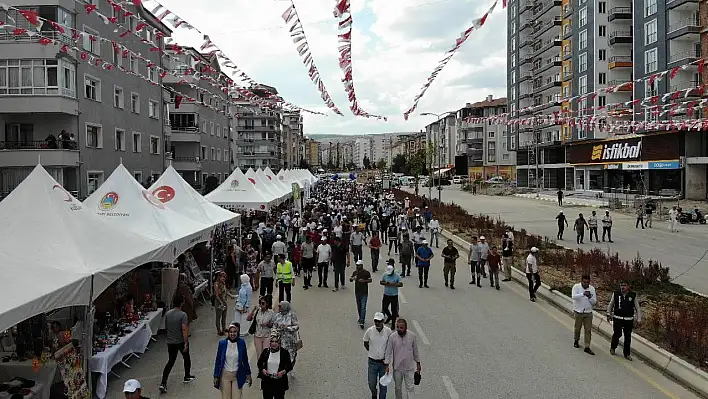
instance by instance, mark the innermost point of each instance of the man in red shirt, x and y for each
(375, 245)
(493, 262)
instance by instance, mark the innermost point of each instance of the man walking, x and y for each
(473, 259)
(391, 282)
(494, 261)
(407, 251)
(507, 255)
(361, 279)
(266, 269)
(339, 263)
(560, 197)
(423, 256)
(640, 217)
(607, 226)
(584, 298)
(483, 252)
(403, 358)
(177, 328)
(579, 227)
(434, 226)
(356, 241)
(625, 314)
(308, 261)
(375, 343)
(532, 274)
(673, 219)
(324, 257)
(392, 238)
(592, 224)
(286, 279)
(375, 245)
(649, 211)
(450, 255)
(562, 224)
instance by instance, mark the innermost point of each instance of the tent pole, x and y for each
(211, 266)
(88, 338)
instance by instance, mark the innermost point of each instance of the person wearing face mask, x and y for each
(231, 367)
(391, 282)
(375, 342)
(274, 364)
(403, 358)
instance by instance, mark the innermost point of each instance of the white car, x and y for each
(457, 180)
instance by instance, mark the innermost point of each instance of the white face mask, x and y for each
(389, 269)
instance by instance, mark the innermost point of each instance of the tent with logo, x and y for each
(240, 192)
(275, 184)
(288, 178)
(265, 187)
(123, 202)
(171, 189)
(52, 248)
(285, 186)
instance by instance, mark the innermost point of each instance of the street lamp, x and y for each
(441, 118)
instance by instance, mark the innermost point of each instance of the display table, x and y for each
(43, 378)
(128, 346)
(153, 321)
(37, 391)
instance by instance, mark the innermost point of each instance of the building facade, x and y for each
(259, 134)
(292, 139)
(441, 134)
(108, 116)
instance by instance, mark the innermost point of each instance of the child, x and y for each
(296, 256)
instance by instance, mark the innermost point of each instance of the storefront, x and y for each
(649, 162)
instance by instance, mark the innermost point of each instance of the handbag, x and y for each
(298, 344)
(252, 328)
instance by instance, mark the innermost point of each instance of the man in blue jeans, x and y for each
(423, 256)
(361, 279)
(375, 340)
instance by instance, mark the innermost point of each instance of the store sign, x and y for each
(656, 148)
(635, 166)
(616, 151)
(665, 165)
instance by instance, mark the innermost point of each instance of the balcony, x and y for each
(550, 63)
(28, 153)
(620, 61)
(187, 163)
(687, 85)
(542, 28)
(549, 44)
(681, 4)
(525, 59)
(185, 134)
(252, 128)
(525, 76)
(527, 42)
(686, 26)
(620, 37)
(567, 76)
(620, 13)
(525, 25)
(684, 57)
(546, 86)
(567, 11)
(38, 104)
(525, 6)
(626, 88)
(542, 9)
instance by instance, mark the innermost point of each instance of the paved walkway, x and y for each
(686, 252)
(476, 343)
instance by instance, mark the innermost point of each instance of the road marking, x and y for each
(450, 389)
(401, 297)
(651, 246)
(420, 332)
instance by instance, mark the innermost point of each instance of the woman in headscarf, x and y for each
(221, 297)
(243, 301)
(273, 367)
(231, 367)
(251, 263)
(263, 316)
(286, 324)
(186, 293)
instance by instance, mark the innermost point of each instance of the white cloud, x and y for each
(396, 44)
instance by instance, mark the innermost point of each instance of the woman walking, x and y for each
(221, 297)
(231, 367)
(286, 325)
(243, 301)
(252, 265)
(263, 317)
(273, 367)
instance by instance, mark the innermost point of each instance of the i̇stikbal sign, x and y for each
(626, 151)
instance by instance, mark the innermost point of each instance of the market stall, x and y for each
(264, 185)
(286, 189)
(238, 192)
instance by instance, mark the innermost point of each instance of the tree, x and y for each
(381, 164)
(367, 162)
(304, 164)
(210, 184)
(398, 164)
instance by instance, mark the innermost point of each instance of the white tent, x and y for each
(309, 175)
(240, 192)
(287, 186)
(173, 190)
(288, 178)
(51, 246)
(300, 177)
(123, 202)
(270, 179)
(265, 187)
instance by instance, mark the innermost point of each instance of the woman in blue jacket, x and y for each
(231, 368)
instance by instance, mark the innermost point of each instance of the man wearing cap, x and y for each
(483, 252)
(562, 224)
(406, 251)
(375, 341)
(532, 274)
(279, 248)
(361, 279)
(324, 257)
(339, 263)
(423, 256)
(132, 388)
(391, 282)
(357, 240)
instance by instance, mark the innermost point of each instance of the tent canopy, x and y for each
(274, 183)
(265, 187)
(173, 190)
(240, 192)
(285, 187)
(51, 246)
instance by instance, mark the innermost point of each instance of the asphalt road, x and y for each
(685, 252)
(474, 342)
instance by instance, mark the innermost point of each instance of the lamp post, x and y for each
(441, 121)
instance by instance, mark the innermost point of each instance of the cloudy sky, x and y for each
(396, 44)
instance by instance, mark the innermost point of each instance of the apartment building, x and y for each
(442, 135)
(109, 116)
(486, 144)
(362, 149)
(199, 115)
(311, 149)
(292, 139)
(259, 133)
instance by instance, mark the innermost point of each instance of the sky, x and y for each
(396, 44)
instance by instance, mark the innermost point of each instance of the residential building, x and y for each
(362, 149)
(292, 139)
(486, 142)
(199, 116)
(259, 133)
(441, 135)
(312, 152)
(112, 116)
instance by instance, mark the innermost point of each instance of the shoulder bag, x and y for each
(252, 328)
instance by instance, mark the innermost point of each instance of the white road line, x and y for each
(401, 297)
(450, 389)
(651, 246)
(420, 332)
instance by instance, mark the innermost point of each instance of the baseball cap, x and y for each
(278, 237)
(534, 249)
(131, 386)
(482, 238)
(378, 316)
(360, 262)
(425, 241)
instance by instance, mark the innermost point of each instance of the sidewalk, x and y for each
(566, 201)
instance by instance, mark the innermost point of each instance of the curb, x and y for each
(551, 199)
(679, 369)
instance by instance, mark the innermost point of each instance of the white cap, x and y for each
(482, 238)
(425, 241)
(534, 249)
(324, 231)
(379, 316)
(131, 386)
(278, 237)
(360, 262)
(561, 211)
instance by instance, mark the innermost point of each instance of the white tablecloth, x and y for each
(153, 320)
(44, 377)
(102, 362)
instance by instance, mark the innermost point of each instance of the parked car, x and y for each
(496, 180)
(441, 182)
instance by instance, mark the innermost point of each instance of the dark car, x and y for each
(441, 182)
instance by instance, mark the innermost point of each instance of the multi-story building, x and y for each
(292, 139)
(259, 133)
(312, 152)
(108, 116)
(441, 135)
(362, 149)
(200, 117)
(486, 143)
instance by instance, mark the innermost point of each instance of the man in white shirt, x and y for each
(607, 226)
(375, 340)
(434, 226)
(532, 274)
(483, 252)
(324, 256)
(673, 219)
(279, 247)
(584, 299)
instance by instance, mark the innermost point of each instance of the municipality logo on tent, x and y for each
(109, 201)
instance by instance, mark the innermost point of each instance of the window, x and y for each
(513, 43)
(505, 157)
(583, 85)
(491, 135)
(226, 132)
(513, 76)
(226, 155)
(583, 62)
(602, 30)
(92, 88)
(513, 93)
(513, 60)
(204, 126)
(649, 7)
(135, 103)
(218, 154)
(152, 109)
(204, 153)
(213, 154)
(37, 77)
(582, 17)
(211, 128)
(513, 27)
(602, 7)
(152, 75)
(154, 145)
(602, 78)
(602, 101)
(118, 100)
(583, 40)
(137, 142)
(218, 130)
(92, 41)
(94, 136)
(138, 175)
(650, 32)
(602, 55)
(120, 140)
(133, 63)
(94, 180)
(117, 56)
(650, 61)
